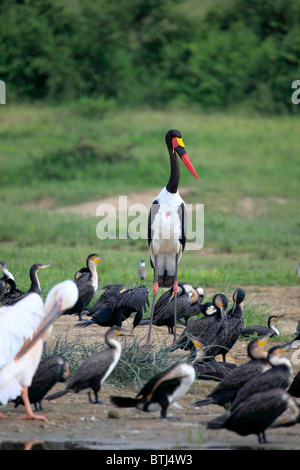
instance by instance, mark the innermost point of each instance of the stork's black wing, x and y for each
(183, 218)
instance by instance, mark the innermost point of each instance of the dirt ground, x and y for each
(74, 423)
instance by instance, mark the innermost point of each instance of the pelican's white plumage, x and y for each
(19, 324)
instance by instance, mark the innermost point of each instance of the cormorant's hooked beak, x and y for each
(277, 318)
(178, 147)
(44, 266)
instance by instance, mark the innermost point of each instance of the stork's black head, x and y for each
(176, 147)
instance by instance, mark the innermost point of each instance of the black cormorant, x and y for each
(195, 328)
(94, 371)
(163, 389)
(15, 294)
(164, 307)
(235, 320)
(195, 308)
(51, 370)
(261, 330)
(86, 281)
(167, 224)
(207, 368)
(256, 414)
(279, 375)
(6, 273)
(128, 301)
(216, 334)
(226, 390)
(109, 293)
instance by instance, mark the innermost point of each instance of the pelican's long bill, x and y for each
(48, 320)
(178, 147)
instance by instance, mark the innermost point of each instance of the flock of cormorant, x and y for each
(255, 395)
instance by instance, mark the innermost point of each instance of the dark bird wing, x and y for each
(108, 296)
(49, 372)
(96, 365)
(136, 298)
(183, 218)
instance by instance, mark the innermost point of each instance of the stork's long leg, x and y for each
(155, 290)
(175, 290)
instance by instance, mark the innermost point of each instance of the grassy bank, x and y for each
(55, 156)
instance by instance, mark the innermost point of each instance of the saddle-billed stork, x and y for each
(167, 225)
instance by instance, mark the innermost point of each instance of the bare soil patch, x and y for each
(72, 422)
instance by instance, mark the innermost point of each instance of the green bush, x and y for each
(146, 52)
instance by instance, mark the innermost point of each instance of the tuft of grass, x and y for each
(137, 364)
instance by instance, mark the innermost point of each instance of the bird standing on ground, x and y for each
(216, 334)
(142, 271)
(95, 370)
(163, 389)
(86, 281)
(51, 370)
(256, 414)
(235, 320)
(22, 330)
(15, 294)
(167, 224)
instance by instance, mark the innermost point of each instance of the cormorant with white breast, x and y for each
(261, 330)
(15, 294)
(6, 273)
(94, 371)
(87, 284)
(6, 281)
(226, 390)
(163, 389)
(167, 224)
(128, 301)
